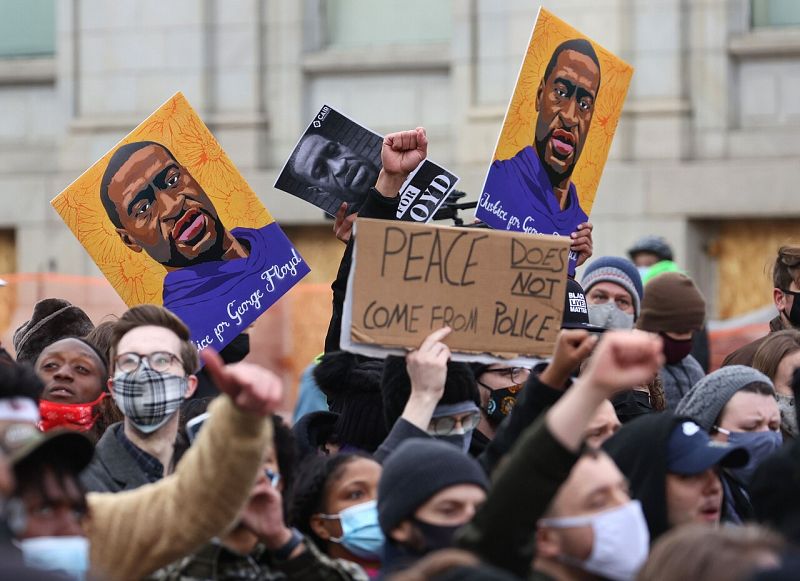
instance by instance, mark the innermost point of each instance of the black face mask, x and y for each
(237, 349)
(631, 405)
(501, 402)
(436, 537)
(794, 314)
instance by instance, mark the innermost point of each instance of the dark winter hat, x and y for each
(459, 386)
(704, 402)
(52, 319)
(671, 304)
(619, 271)
(352, 385)
(654, 245)
(417, 470)
(576, 313)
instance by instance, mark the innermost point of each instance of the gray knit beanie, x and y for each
(704, 402)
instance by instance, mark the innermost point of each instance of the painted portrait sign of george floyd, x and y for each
(504, 289)
(168, 219)
(556, 134)
(337, 160)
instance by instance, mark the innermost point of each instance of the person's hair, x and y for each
(29, 476)
(787, 267)
(773, 349)
(315, 477)
(100, 337)
(116, 161)
(701, 552)
(107, 413)
(153, 315)
(579, 45)
(19, 380)
(285, 454)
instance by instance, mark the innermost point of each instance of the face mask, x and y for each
(621, 541)
(361, 533)
(436, 537)
(675, 351)
(149, 398)
(794, 314)
(643, 272)
(609, 316)
(237, 349)
(788, 414)
(68, 555)
(460, 437)
(631, 404)
(501, 402)
(758, 444)
(79, 417)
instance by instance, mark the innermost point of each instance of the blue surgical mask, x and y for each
(361, 533)
(459, 437)
(758, 444)
(68, 555)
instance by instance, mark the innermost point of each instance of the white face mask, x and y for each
(621, 541)
(609, 316)
(66, 555)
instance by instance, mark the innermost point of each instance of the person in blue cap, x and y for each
(672, 466)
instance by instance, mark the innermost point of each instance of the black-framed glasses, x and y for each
(446, 425)
(515, 375)
(159, 361)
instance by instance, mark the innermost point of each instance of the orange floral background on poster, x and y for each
(134, 275)
(520, 121)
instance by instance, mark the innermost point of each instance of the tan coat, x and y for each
(134, 533)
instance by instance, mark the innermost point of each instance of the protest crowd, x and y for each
(617, 457)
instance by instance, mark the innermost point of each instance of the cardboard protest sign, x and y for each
(337, 160)
(168, 219)
(556, 134)
(501, 292)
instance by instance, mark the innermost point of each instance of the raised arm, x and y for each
(134, 533)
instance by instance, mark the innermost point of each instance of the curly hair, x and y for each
(315, 477)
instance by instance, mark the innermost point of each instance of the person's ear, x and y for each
(539, 93)
(779, 297)
(548, 543)
(191, 387)
(402, 533)
(127, 240)
(318, 527)
(110, 385)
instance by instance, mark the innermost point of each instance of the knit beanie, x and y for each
(459, 386)
(52, 319)
(619, 271)
(417, 470)
(352, 386)
(671, 304)
(704, 402)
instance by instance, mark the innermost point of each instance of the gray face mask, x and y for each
(788, 414)
(609, 316)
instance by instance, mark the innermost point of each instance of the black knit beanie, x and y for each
(352, 386)
(459, 386)
(417, 470)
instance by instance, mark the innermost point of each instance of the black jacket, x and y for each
(112, 469)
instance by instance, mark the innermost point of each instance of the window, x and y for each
(354, 23)
(27, 28)
(775, 13)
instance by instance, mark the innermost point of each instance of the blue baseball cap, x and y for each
(691, 451)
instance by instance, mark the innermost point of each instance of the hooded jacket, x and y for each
(640, 451)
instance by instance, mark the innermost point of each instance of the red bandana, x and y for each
(73, 416)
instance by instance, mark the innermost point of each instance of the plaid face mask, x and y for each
(148, 398)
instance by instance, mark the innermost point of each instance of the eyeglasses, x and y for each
(600, 298)
(445, 425)
(515, 375)
(159, 361)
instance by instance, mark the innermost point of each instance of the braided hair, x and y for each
(314, 479)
